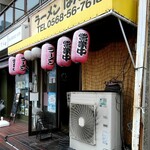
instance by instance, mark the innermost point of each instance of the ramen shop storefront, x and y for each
(58, 27)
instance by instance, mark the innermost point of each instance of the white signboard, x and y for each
(3, 43)
(15, 36)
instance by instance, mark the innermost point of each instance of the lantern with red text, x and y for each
(47, 56)
(11, 65)
(80, 46)
(64, 52)
(20, 64)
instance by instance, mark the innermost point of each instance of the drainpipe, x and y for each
(140, 71)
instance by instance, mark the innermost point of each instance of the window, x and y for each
(16, 10)
(9, 16)
(51, 90)
(1, 22)
(19, 4)
(31, 4)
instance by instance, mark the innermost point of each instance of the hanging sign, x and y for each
(64, 52)
(20, 64)
(63, 15)
(15, 36)
(47, 56)
(58, 11)
(80, 46)
(11, 65)
(61, 10)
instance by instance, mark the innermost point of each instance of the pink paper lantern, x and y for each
(11, 65)
(64, 52)
(80, 46)
(20, 65)
(47, 56)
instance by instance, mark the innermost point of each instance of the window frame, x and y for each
(15, 8)
(26, 12)
(32, 8)
(3, 23)
(11, 7)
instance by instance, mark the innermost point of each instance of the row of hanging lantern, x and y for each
(47, 56)
(76, 52)
(67, 52)
(33, 54)
(17, 65)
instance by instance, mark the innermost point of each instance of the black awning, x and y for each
(3, 63)
(4, 53)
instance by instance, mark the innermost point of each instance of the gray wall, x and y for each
(5, 2)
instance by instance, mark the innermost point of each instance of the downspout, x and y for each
(140, 69)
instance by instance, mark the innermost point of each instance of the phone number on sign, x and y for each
(72, 11)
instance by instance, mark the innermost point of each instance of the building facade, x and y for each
(113, 33)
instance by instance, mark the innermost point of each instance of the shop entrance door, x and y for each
(68, 80)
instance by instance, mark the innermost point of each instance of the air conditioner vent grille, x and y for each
(82, 123)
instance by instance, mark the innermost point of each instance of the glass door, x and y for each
(22, 88)
(35, 107)
(43, 101)
(50, 101)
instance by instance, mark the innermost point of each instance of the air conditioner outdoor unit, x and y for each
(95, 121)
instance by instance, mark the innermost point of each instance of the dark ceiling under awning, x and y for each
(4, 64)
(4, 58)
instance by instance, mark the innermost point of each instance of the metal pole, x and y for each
(126, 41)
(139, 73)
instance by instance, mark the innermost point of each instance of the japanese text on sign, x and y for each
(23, 66)
(13, 65)
(66, 50)
(51, 56)
(82, 45)
(58, 11)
